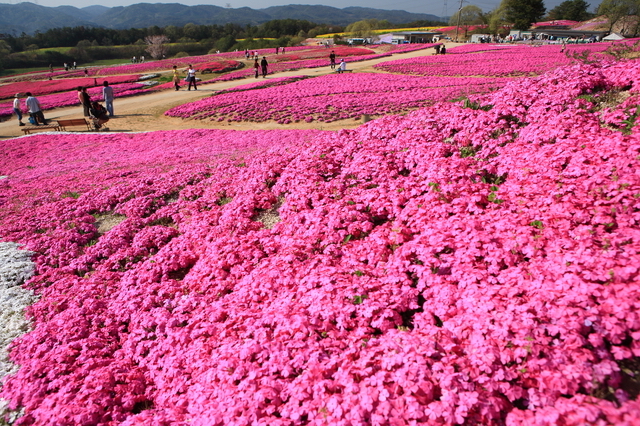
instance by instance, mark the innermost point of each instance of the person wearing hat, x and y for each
(17, 109)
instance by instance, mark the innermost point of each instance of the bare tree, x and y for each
(466, 17)
(156, 45)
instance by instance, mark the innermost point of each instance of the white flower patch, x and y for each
(15, 268)
(149, 83)
(148, 77)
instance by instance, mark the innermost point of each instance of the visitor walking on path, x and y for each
(17, 109)
(35, 110)
(332, 59)
(191, 78)
(176, 77)
(107, 95)
(256, 66)
(264, 65)
(85, 100)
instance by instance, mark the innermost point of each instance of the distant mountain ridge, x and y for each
(29, 17)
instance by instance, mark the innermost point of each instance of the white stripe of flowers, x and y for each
(15, 268)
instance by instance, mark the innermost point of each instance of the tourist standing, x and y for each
(85, 100)
(17, 109)
(191, 77)
(35, 110)
(256, 67)
(176, 77)
(107, 95)
(264, 65)
(332, 59)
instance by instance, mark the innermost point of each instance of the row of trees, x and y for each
(520, 14)
(89, 43)
(69, 37)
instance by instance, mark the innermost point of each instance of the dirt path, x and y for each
(146, 112)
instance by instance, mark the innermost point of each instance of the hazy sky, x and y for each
(434, 7)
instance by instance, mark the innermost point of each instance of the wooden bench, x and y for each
(53, 125)
(63, 124)
(341, 71)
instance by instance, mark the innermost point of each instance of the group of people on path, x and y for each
(332, 63)
(90, 109)
(190, 78)
(87, 104)
(67, 67)
(96, 111)
(440, 49)
(36, 116)
(263, 66)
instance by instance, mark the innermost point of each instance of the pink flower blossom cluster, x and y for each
(276, 67)
(167, 64)
(45, 87)
(559, 22)
(469, 263)
(490, 60)
(332, 97)
(403, 48)
(217, 66)
(39, 75)
(316, 52)
(262, 52)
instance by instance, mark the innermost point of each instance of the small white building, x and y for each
(405, 37)
(479, 38)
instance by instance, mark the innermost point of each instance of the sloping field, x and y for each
(469, 263)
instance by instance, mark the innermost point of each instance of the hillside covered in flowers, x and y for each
(469, 263)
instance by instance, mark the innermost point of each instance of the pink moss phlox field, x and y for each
(167, 64)
(470, 263)
(59, 100)
(276, 67)
(490, 60)
(45, 87)
(403, 48)
(217, 66)
(559, 22)
(333, 97)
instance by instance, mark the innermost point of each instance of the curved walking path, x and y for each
(146, 112)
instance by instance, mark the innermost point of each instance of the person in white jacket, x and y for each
(343, 66)
(35, 110)
(17, 109)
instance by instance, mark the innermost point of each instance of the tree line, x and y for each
(92, 43)
(520, 14)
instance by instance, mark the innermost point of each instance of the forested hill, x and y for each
(29, 17)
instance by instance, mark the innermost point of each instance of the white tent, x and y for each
(613, 37)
